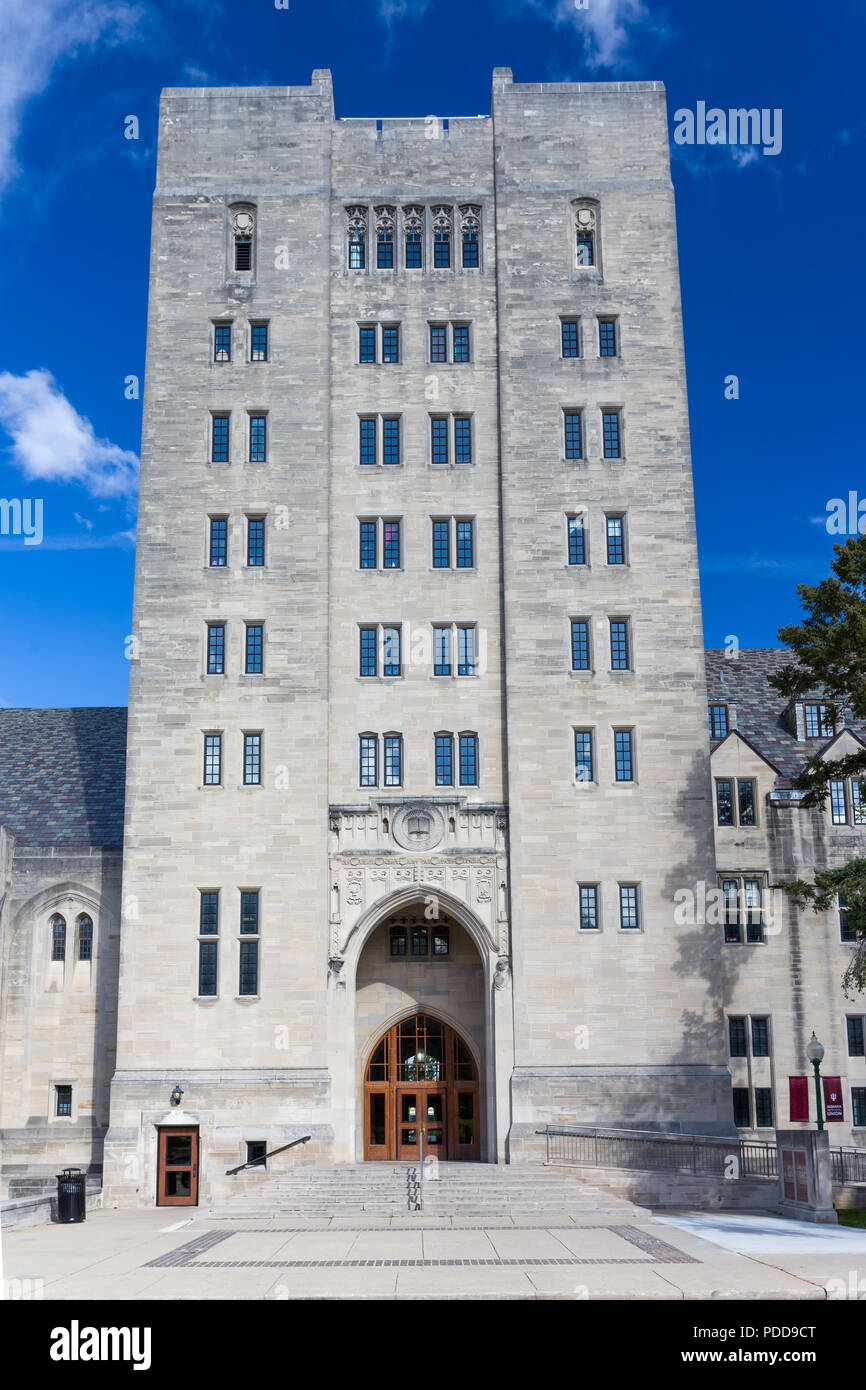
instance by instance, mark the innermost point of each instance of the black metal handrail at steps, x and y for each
(260, 1162)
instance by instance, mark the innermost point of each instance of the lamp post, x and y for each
(815, 1053)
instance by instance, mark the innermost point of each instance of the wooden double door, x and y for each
(421, 1086)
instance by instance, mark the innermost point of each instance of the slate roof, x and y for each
(62, 776)
(743, 682)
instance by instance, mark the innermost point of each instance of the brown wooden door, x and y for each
(421, 1072)
(421, 1110)
(177, 1168)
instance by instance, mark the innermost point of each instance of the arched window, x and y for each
(586, 249)
(357, 229)
(243, 227)
(85, 937)
(470, 218)
(442, 238)
(58, 937)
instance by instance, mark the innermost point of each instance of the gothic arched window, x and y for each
(58, 937)
(357, 237)
(85, 937)
(470, 218)
(442, 238)
(385, 238)
(413, 233)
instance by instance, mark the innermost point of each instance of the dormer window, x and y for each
(718, 721)
(818, 721)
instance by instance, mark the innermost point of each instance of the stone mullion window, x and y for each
(208, 944)
(248, 954)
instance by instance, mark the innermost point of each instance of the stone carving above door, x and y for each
(418, 826)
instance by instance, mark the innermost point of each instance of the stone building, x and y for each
(418, 760)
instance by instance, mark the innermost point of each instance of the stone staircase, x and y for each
(464, 1191)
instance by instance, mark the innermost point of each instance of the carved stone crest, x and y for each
(418, 826)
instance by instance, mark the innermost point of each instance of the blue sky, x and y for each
(770, 251)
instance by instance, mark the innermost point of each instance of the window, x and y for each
(585, 248)
(760, 1037)
(441, 545)
(763, 1107)
(737, 1037)
(379, 342)
(743, 910)
(216, 642)
(584, 769)
(570, 337)
(379, 438)
(470, 249)
(580, 644)
(742, 805)
(449, 342)
(742, 1108)
(848, 802)
(441, 941)
(469, 760)
(393, 761)
(248, 974)
(256, 1152)
(442, 651)
(390, 440)
(367, 345)
(379, 639)
(219, 439)
(846, 931)
(444, 760)
(588, 906)
(442, 238)
(85, 937)
(254, 653)
(368, 440)
(58, 937)
(461, 342)
(390, 343)
(391, 544)
(213, 750)
(444, 530)
(718, 715)
(466, 651)
(258, 342)
(207, 968)
(466, 560)
(255, 541)
(611, 432)
(250, 912)
(619, 651)
(222, 342)
(817, 721)
(413, 236)
(252, 760)
(438, 342)
(385, 249)
(419, 941)
(63, 1100)
(623, 755)
(585, 230)
(858, 801)
(629, 915)
(368, 530)
(462, 439)
(838, 803)
(369, 749)
(243, 253)
(368, 663)
(243, 226)
(398, 941)
(439, 438)
(413, 249)
(858, 1106)
(615, 526)
(607, 337)
(470, 226)
(258, 438)
(576, 541)
(357, 231)
(218, 541)
(573, 435)
(208, 912)
(856, 1037)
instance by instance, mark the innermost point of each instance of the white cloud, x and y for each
(52, 442)
(392, 10)
(39, 34)
(607, 27)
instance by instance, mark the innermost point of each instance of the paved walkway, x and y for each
(157, 1254)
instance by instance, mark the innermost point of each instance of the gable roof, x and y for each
(742, 681)
(63, 775)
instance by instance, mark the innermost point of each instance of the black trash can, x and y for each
(70, 1195)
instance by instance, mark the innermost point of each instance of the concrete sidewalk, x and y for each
(155, 1254)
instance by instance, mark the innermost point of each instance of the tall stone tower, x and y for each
(417, 745)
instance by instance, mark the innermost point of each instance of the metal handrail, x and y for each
(260, 1162)
(656, 1150)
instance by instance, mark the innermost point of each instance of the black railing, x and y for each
(849, 1165)
(260, 1161)
(660, 1152)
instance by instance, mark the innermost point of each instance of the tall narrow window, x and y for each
(442, 651)
(856, 1037)
(243, 253)
(444, 760)
(588, 906)
(576, 541)
(208, 912)
(580, 644)
(573, 435)
(470, 249)
(391, 343)
(85, 937)
(746, 800)
(438, 342)
(838, 803)
(441, 545)
(216, 645)
(391, 544)
(250, 912)
(623, 755)
(629, 914)
(222, 342)
(858, 801)
(439, 438)
(818, 721)
(393, 750)
(207, 968)
(258, 342)
(413, 250)
(763, 1107)
(368, 652)
(391, 659)
(607, 337)
(466, 651)
(391, 439)
(718, 716)
(611, 431)
(461, 342)
(369, 760)
(219, 439)
(385, 249)
(441, 239)
(252, 760)
(742, 1107)
(255, 541)
(737, 1044)
(615, 540)
(58, 937)
(752, 908)
(724, 801)
(470, 223)
(847, 933)
(619, 653)
(462, 439)
(213, 749)
(583, 759)
(731, 891)
(249, 968)
(760, 1037)
(243, 226)
(63, 1095)
(357, 237)
(585, 229)
(258, 438)
(466, 560)
(570, 338)
(254, 653)
(218, 539)
(413, 236)
(368, 440)
(367, 530)
(367, 344)
(469, 760)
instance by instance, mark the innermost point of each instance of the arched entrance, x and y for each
(421, 1078)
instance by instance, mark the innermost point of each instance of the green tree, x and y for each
(830, 650)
